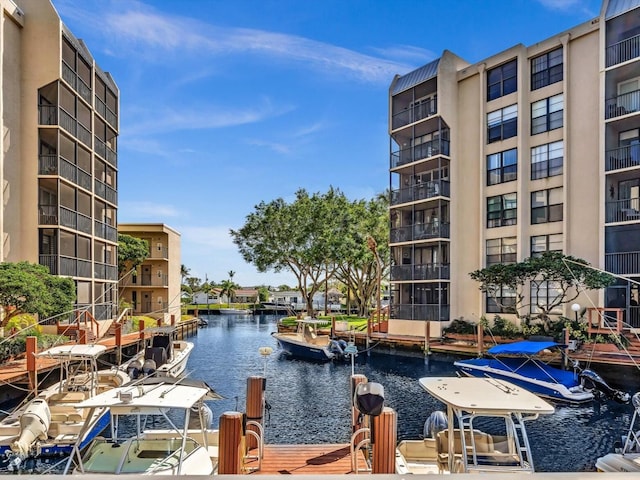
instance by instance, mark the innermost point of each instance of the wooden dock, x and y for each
(322, 459)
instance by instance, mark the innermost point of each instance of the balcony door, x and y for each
(630, 190)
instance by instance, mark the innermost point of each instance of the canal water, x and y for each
(309, 402)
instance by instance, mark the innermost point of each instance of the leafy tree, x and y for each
(132, 252)
(263, 294)
(30, 288)
(228, 288)
(570, 275)
(302, 237)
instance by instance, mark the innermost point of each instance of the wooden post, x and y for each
(32, 349)
(480, 340)
(173, 320)
(384, 437)
(356, 424)
(118, 343)
(82, 336)
(255, 407)
(427, 337)
(141, 330)
(333, 327)
(230, 447)
(159, 323)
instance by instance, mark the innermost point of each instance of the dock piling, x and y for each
(255, 408)
(230, 448)
(384, 439)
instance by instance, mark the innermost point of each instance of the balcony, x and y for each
(66, 266)
(622, 263)
(159, 253)
(419, 152)
(415, 113)
(76, 82)
(420, 231)
(53, 115)
(420, 191)
(623, 51)
(106, 112)
(428, 271)
(106, 231)
(149, 280)
(622, 157)
(106, 152)
(105, 271)
(626, 210)
(48, 214)
(106, 192)
(58, 165)
(622, 104)
(420, 312)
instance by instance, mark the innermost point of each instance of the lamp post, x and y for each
(576, 308)
(373, 246)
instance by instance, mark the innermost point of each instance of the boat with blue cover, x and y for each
(519, 363)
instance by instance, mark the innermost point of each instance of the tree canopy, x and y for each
(569, 276)
(315, 237)
(132, 252)
(30, 288)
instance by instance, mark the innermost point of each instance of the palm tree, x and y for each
(231, 273)
(184, 272)
(228, 288)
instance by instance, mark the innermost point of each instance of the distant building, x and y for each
(534, 149)
(59, 119)
(155, 287)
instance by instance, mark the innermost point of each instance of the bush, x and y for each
(460, 325)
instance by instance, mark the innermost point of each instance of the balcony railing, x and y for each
(415, 113)
(622, 157)
(428, 271)
(106, 192)
(622, 104)
(105, 271)
(419, 152)
(421, 191)
(420, 231)
(48, 214)
(106, 152)
(106, 231)
(76, 82)
(623, 263)
(106, 112)
(162, 252)
(66, 266)
(420, 312)
(623, 51)
(625, 210)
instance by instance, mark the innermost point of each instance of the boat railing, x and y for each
(259, 436)
(360, 445)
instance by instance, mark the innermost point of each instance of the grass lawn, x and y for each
(355, 323)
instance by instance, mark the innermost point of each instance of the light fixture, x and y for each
(576, 308)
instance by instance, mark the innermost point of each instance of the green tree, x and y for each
(184, 273)
(302, 237)
(132, 252)
(263, 294)
(228, 288)
(30, 288)
(569, 275)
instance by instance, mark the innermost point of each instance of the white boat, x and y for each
(484, 431)
(626, 458)
(235, 311)
(177, 450)
(49, 423)
(163, 355)
(306, 343)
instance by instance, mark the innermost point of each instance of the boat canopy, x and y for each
(525, 347)
(73, 352)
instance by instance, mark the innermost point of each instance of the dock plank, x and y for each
(322, 459)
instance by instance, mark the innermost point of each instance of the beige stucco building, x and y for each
(155, 286)
(58, 153)
(534, 149)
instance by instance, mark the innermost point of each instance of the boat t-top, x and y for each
(483, 429)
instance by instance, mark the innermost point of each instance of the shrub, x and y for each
(460, 325)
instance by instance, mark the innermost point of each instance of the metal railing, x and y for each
(421, 231)
(421, 191)
(625, 50)
(623, 263)
(428, 271)
(622, 157)
(622, 104)
(420, 152)
(105, 191)
(415, 113)
(625, 210)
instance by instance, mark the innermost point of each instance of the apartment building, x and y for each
(534, 149)
(58, 154)
(154, 287)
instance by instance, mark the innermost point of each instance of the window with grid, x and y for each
(503, 300)
(545, 293)
(547, 160)
(502, 124)
(502, 80)
(502, 210)
(546, 243)
(502, 167)
(546, 206)
(546, 69)
(547, 114)
(501, 250)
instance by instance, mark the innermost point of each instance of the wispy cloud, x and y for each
(275, 146)
(141, 211)
(568, 6)
(217, 237)
(135, 28)
(408, 53)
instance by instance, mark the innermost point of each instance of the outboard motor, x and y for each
(436, 422)
(592, 381)
(194, 416)
(34, 426)
(337, 347)
(134, 369)
(369, 398)
(149, 367)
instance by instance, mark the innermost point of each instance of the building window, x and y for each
(545, 293)
(502, 167)
(502, 80)
(501, 250)
(503, 300)
(546, 69)
(546, 243)
(502, 210)
(546, 206)
(502, 124)
(547, 160)
(547, 114)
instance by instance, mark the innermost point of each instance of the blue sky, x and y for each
(224, 104)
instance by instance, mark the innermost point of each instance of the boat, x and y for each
(627, 455)
(163, 354)
(49, 422)
(520, 363)
(235, 311)
(483, 430)
(181, 449)
(306, 343)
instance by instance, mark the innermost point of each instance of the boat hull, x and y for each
(296, 348)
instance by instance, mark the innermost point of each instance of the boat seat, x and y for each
(68, 397)
(483, 445)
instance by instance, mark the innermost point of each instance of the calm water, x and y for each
(310, 402)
